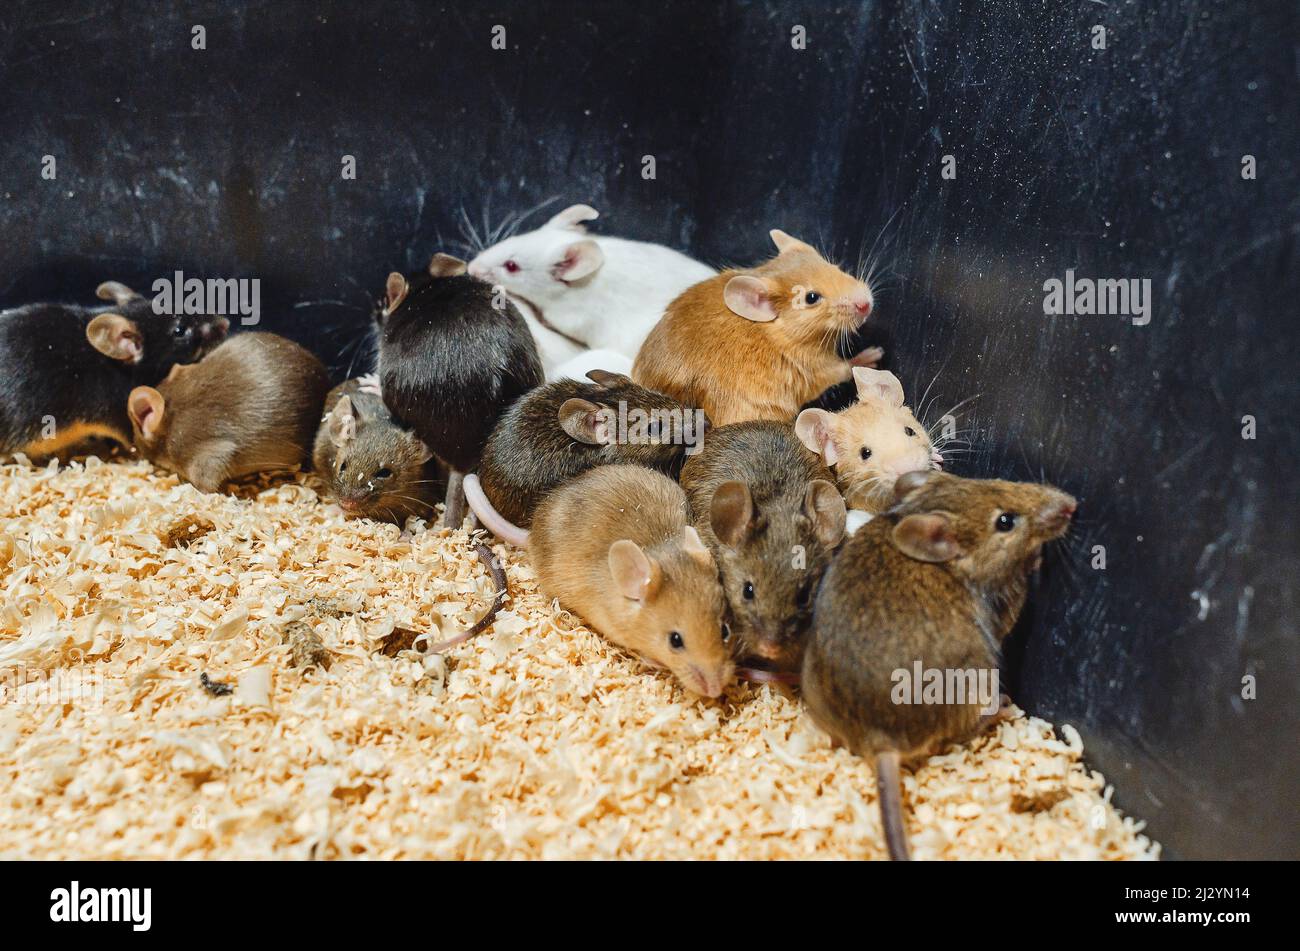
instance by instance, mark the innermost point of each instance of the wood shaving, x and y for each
(536, 739)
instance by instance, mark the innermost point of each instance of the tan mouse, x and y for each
(251, 405)
(934, 583)
(614, 546)
(871, 443)
(758, 343)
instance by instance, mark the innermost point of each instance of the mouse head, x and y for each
(770, 562)
(378, 468)
(798, 297)
(677, 609)
(871, 443)
(400, 287)
(987, 531)
(543, 265)
(646, 427)
(147, 342)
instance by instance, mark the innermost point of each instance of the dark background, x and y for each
(1122, 163)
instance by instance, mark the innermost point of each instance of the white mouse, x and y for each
(576, 368)
(581, 291)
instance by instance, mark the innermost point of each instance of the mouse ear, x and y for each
(444, 265)
(824, 506)
(694, 546)
(342, 425)
(909, 482)
(785, 243)
(115, 291)
(116, 337)
(573, 217)
(586, 422)
(395, 291)
(580, 259)
(816, 430)
(422, 452)
(748, 296)
(635, 575)
(608, 378)
(927, 537)
(878, 386)
(146, 407)
(731, 513)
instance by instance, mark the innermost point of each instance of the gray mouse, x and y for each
(562, 429)
(371, 466)
(769, 510)
(934, 583)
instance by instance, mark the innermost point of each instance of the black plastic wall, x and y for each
(1117, 163)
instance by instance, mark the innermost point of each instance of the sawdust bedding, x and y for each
(120, 588)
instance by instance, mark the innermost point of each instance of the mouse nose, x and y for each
(862, 304)
(214, 330)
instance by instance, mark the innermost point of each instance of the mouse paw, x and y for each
(369, 384)
(869, 357)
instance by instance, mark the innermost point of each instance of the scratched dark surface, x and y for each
(1122, 163)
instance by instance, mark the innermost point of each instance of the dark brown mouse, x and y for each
(769, 510)
(66, 370)
(453, 354)
(934, 583)
(371, 466)
(564, 428)
(251, 405)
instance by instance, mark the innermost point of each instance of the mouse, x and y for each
(758, 343)
(933, 583)
(251, 405)
(371, 466)
(66, 370)
(564, 428)
(615, 547)
(769, 511)
(870, 443)
(586, 291)
(576, 367)
(453, 355)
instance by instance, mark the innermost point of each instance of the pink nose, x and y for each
(768, 650)
(863, 307)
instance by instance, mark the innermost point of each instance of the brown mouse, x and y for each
(559, 430)
(371, 466)
(934, 583)
(769, 511)
(871, 443)
(251, 405)
(758, 343)
(615, 547)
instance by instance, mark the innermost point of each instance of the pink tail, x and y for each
(491, 519)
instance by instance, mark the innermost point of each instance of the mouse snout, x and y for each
(710, 685)
(476, 268)
(215, 329)
(862, 304)
(768, 649)
(350, 505)
(1057, 513)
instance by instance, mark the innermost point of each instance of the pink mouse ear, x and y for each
(878, 386)
(580, 259)
(816, 430)
(116, 337)
(573, 217)
(146, 407)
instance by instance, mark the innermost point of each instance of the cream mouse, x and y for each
(587, 290)
(936, 582)
(769, 511)
(615, 547)
(251, 405)
(371, 466)
(870, 443)
(564, 428)
(66, 370)
(758, 343)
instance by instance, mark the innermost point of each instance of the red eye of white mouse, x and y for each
(512, 266)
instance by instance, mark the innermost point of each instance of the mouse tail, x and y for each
(889, 788)
(498, 573)
(490, 517)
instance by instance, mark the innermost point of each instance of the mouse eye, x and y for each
(748, 591)
(805, 592)
(909, 430)
(180, 330)
(726, 631)
(675, 641)
(865, 453)
(343, 465)
(1006, 521)
(384, 473)
(811, 298)
(512, 266)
